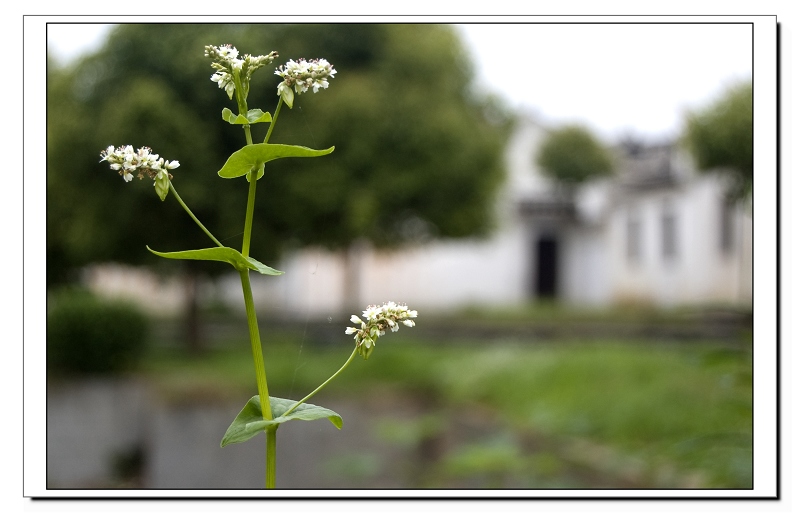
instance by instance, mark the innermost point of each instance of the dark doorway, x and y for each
(546, 259)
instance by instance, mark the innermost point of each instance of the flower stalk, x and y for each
(378, 319)
(191, 214)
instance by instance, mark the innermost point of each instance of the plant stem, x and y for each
(261, 376)
(196, 221)
(248, 218)
(272, 433)
(274, 120)
(255, 342)
(349, 360)
(255, 338)
(252, 321)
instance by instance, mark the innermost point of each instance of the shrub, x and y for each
(88, 335)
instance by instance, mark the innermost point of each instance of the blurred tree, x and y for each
(720, 136)
(572, 155)
(417, 154)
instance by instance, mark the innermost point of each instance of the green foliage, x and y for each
(255, 156)
(87, 335)
(220, 254)
(572, 155)
(249, 422)
(414, 147)
(254, 115)
(720, 136)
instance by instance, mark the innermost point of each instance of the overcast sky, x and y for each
(618, 79)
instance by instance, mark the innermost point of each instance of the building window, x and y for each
(633, 245)
(669, 235)
(726, 226)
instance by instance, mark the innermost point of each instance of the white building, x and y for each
(656, 233)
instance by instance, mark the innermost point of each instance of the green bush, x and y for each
(88, 335)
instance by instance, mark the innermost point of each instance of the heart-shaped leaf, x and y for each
(252, 157)
(249, 422)
(220, 254)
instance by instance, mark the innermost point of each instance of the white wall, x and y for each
(700, 272)
(444, 275)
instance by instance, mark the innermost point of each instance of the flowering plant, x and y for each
(233, 73)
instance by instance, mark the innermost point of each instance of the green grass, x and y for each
(674, 407)
(660, 402)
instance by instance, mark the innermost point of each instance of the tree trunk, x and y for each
(192, 326)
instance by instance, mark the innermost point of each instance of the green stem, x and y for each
(252, 321)
(196, 221)
(255, 342)
(271, 456)
(248, 218)
(274, 120)
(255, 338)
(349, 360)
(251, 194)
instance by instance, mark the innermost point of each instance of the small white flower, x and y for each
(350, 330)
(220, 78)
(227, 51)
(355, 319)
(225, 81)
(372, 312)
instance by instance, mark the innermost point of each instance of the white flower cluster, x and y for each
(227, 63)
(378, 319)
(303, 75)
(126, 161)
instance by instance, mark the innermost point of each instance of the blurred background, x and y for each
(568, 207)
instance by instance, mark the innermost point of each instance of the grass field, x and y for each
(555, 413)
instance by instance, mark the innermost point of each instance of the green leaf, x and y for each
(162, 186)
(286, 94)
(249, 422)
(232, 118)
(252, 157)
(256, 115)
(220, 254)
